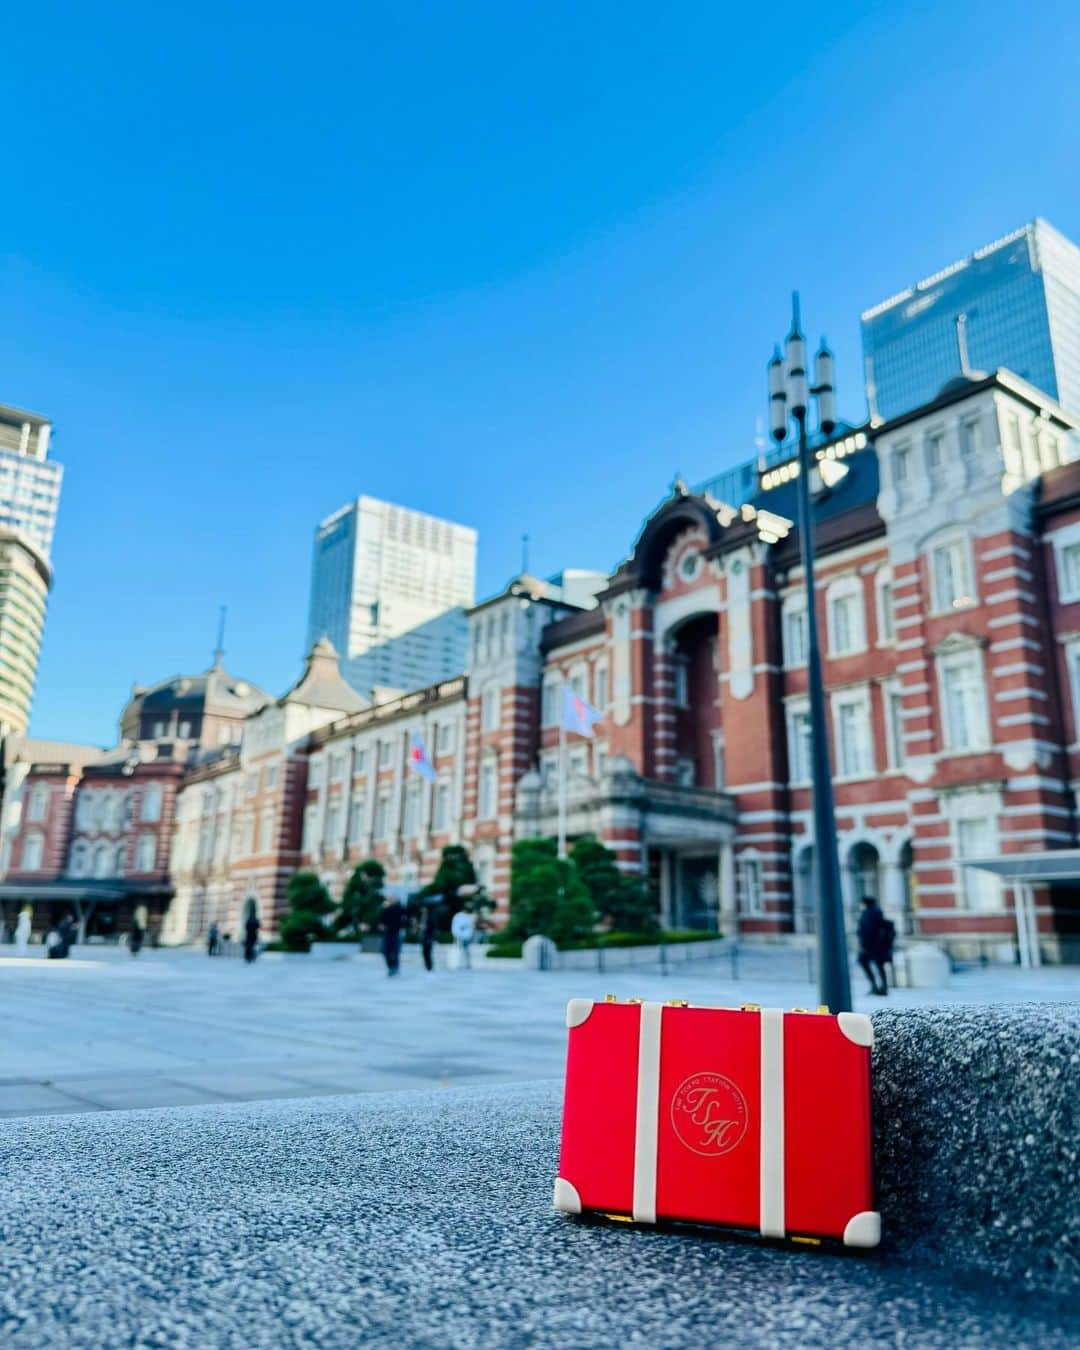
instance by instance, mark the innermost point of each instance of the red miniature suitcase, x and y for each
(747, 1118)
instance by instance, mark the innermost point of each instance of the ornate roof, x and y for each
(322, 684)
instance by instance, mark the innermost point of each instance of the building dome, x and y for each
(208, 708)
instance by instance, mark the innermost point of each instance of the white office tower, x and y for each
(389, 588)
(29, 496)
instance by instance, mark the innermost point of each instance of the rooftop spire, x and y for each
(219, 650)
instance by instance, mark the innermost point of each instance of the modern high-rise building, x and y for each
(29, 496)
(29, 480)
(388, 588)
(1014, 303)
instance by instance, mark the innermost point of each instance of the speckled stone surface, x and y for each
(424, 1218)
(977, 1139)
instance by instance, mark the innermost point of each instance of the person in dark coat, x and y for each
(135, 937)
(67, 931)
(872, 940)
(212, 940)
(392, 915)
(429, 930)
(251, 937)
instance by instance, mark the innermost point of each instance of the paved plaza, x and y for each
(104, 1031)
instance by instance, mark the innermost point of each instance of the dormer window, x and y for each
(690, 566)
(933, 451)
(901, 462)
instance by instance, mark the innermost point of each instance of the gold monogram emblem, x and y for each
(709, 1115)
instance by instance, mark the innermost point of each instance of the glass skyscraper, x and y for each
(1020, 297)
(389, 588)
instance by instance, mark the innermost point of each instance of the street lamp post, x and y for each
(789, 395)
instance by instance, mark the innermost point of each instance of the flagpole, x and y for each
(562, 775)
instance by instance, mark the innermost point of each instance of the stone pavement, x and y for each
(417, 1219)
(104, 1031)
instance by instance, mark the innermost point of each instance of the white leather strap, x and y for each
(772, 1123)
(648, 1110)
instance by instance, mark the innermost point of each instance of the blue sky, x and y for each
(515, 264)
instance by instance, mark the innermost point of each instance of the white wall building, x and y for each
(388, 588)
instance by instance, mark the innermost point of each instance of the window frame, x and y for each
(885, 632)
(150, 804)
(895, 741)
(35, 838)
(491, 706)
(38, 805)
(794, 607)
(487, 780)
(946, 660)
(751, 898)
(550, 697)
(967, 599)
(848, 587)
(857, 696)
(1063, 540)
(795, 710)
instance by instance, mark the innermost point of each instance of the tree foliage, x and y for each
(309, 903)
(547, 895)
(456, 870)
(361, 900)
(623, 900)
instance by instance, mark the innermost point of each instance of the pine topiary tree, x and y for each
(361, 900)
(455, 871)
(547, 896)
(623, 901)
(309, 903)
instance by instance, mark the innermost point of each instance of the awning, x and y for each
(1056, 864)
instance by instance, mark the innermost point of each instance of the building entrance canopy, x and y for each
(1023, 871)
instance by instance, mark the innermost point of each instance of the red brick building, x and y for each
(948, 599)
(90, 833)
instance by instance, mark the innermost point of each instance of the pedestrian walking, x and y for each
(66, 929)
(872, 941)
(135, 937)
(463, 930)
(23, 925)
(213, 940)
(430, 929)
(392, 915)
(251, 936)
(54, 946)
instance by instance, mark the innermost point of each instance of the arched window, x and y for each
(110, 812)
(103, 860)
(33, 851)
(84, 810)
(79, 862)
(151, 803)
(39, 802)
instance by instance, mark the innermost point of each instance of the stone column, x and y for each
(894, 895)
(729, 910)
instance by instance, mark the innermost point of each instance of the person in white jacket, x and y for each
(22, 932)
(463, 930)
